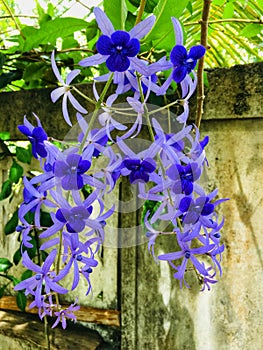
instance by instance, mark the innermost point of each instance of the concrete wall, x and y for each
(155, 313)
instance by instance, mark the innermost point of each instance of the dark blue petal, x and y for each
(117, 63)
(132, 48)
(131, 164)
(39, 133)
(208, 209)
(179, 73)
(185, 204)
(148, 165)
(60, 216)
(196, 52)
(187, 187)
(24, 130)
(83, 166)
(41, 150)
(104, 45)
(178, 55)
(120, 38)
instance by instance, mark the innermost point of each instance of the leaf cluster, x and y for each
(234, 37)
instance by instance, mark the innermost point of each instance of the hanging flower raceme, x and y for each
(79, 176)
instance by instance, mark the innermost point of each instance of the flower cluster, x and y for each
(166, 173)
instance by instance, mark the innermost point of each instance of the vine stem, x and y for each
(13, 18)
(95, 113)
(227, 20)
(141, 9)
(200, 70)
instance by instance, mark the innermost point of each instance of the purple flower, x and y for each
(139, 170)
(184, 62)
(64, 314)
(65, 91)
(184, 177)
(193, 210)
(33, 201)
(187, 253)
(44, 277)
(77, 253)
(70, 171)
(36, 136)
(119, 48)
(74, 218)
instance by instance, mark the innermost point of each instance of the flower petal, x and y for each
(104, 45)
(197, 52)
(103, 21)
(179, 38)
(117, 62)
(142, 28)
(178, 55)
(93, 60)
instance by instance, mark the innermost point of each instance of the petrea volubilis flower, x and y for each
(36, 136)
(44, 277)
(181, 61)
(70, 171)
(119, 48)
(64, 91)
(184, 62)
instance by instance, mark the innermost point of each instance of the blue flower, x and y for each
(74, 218)
(184, 177)
(187, 253)
(193, 210)
(44, 277)
(184, 62)
(139, 169)
(65, 91)
(71, 171)
(119, 48)
(36, 136)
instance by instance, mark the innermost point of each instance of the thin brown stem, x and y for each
(141, 9)
(200, 70)
(226, 20)
(13, 18)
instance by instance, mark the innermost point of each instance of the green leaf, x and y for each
(21, 300)
(45, 219)
(16, 172)
(26, 274)
(228, 10)
(149, 6)
(251, 29)
(163, 24)
(6, 189)
(7, 78)
(4, 135)
(34, 71)
(117, 12)
(11, 224)
(5, 264)
(218, 2)
(50, 31)
(91, 30)
(23, 155)
(2, 59)
(17, 256)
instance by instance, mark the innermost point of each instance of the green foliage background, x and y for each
(235, 35)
